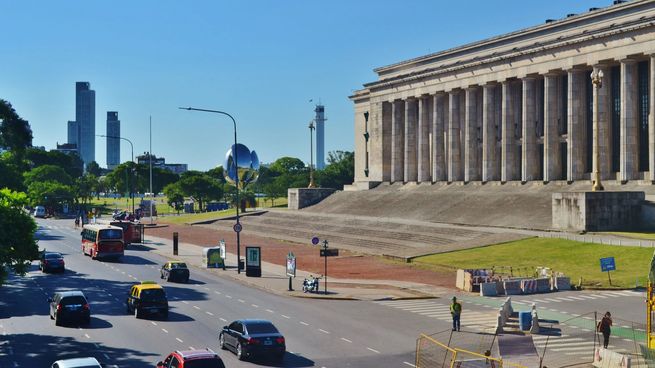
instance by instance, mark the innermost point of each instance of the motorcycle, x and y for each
(310, 284)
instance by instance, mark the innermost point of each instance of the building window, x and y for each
(642, 100)
(615, 95)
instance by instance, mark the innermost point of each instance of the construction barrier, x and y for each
(488, 289)
(512, 287)
(529, 286)
(604, 358)
(470, 280)
(431, 353)
(561, 283)
(543, 285)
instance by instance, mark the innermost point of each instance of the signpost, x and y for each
(325, 252)
(291, 268)
(253, 262)
(607, 265)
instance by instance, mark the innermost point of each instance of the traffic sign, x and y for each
(237, 227)
(607, 264)
(330, 252)
(315, 240)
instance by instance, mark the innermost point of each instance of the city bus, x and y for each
(102, 241)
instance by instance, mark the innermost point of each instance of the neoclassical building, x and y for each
(517, 107)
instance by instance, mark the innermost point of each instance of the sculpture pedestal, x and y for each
(305, 197)
(597, 211)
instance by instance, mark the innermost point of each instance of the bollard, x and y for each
(175, 241)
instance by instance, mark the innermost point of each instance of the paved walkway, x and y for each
(274, 277)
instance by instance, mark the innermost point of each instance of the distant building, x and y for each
(73, 133)
(160, 162)
(40, 148)
(320, 136)
(69, 148)
(85, 116)
(113, 144)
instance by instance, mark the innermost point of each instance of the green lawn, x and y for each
(574, 259)
(193, 217)
(635, 235)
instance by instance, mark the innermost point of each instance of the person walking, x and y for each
(605, 327)
(456, 312)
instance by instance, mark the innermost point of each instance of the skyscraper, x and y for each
(320, 136)
(85, 116)
(73, 132)
(113, 144)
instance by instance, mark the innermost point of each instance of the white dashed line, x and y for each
(322, 330)
(87, 336)
(218, 292)
(346, 340)
(192, 348)
(206, 288)
(106, 356)
(227, 296)
(373, 350)
(304, 323)
(185, 302)
(153, 323)
(241, 300)
(255, 305)
(196, 307)
(409, 364)
(269, 311)
(223, 319)
(210, 313)
(165, 330)
(178, 339)
(287, 317)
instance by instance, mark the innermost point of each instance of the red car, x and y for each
(192, 359)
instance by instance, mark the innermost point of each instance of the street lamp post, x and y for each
(237, 227)
(132, 149)
(597, 80)
(311, 155)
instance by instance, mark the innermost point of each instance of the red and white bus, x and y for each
(102, 241)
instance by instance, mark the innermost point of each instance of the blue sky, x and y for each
(261, 61)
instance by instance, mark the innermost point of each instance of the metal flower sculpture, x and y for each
(248, 166)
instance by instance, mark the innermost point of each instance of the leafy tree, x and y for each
(17, 243)
(50, 194)
(200, 186)
(93, 168)
(71, 163)
(217, 173)
(85, 186)
(288, 165)
(48, 173)
(175, 196)
(339, 171)
(10, 173)
(15, 133)
(161, 178)
(274, 190)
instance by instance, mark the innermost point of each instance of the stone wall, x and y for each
(597, 211)
(305, 197)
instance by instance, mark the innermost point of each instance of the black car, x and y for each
(175, 271)
(252, 337)
(51, 262)
(69, 306)
(147, 298)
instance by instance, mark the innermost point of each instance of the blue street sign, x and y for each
(607, 264)
(315, 240)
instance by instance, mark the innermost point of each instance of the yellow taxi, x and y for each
(147, 298)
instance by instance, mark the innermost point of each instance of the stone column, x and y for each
(489, 158)
(603, 124)
(386, 141)
(576, 124)
(454, 155)
(508, 145)
(471, 162)
(651, 121)
(629, 122)
(375, 142)
(529, 157)
(411, 142)
(552, 162)
(438, 149)
(397, 141)
(424, 139)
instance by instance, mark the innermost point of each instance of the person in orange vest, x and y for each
(605, 327)
(456, 312)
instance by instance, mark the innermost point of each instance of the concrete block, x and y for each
(597, 211)
(512, 287)
(488, 289)
(305, 197)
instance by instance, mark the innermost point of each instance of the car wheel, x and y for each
(87, 321)
(279, 357)
(168, 278)
(127, 309)
(186, 281)
(221, 341)
(57, 321)
(240, 353)
(164, 315)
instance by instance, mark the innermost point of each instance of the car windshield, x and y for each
(53, 256)
(153, 294)
(111, 234)
(178, 265)
(69, 300)
(261, 328)
(204, 363)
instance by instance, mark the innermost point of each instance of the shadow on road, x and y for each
(290, 360)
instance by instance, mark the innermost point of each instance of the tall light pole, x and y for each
(237, 226)
(150, 160)
(311, 155)
(132, 149)
(597, 80)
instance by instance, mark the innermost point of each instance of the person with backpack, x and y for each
(605, 327)
(456, 312)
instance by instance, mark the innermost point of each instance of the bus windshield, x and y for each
(111, 234)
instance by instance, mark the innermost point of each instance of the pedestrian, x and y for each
(456, 312)
(605, 327)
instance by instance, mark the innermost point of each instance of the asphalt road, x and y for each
(319, 333)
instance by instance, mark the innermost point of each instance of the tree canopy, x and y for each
(47, 173)
(17, 243)
(15, 133)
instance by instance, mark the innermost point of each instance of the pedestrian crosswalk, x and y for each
(579, 297)
(432, 309)
(581, 346)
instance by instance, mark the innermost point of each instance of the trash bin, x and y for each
(241, 264)
(525, 320)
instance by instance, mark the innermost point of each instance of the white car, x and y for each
(39, 211)
(77, 363)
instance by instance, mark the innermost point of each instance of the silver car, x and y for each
(77, 363)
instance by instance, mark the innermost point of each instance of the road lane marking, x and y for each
(346, 340)
(409, 364)
(178, 339)
(218, 292)
(241, 300)
(206, 288)
(106, 356)
(269, 311)
(287, 317)
(373, 350)
(195, 306)
(185, 302)
(165, 330)
(304, 323)
(192, 348)
(322, 330)
(255, 305)
(87, 336)
(210, 313)
(223, 319)
(227, 296)
(153, 323)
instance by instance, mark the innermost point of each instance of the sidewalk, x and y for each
(274, 277)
